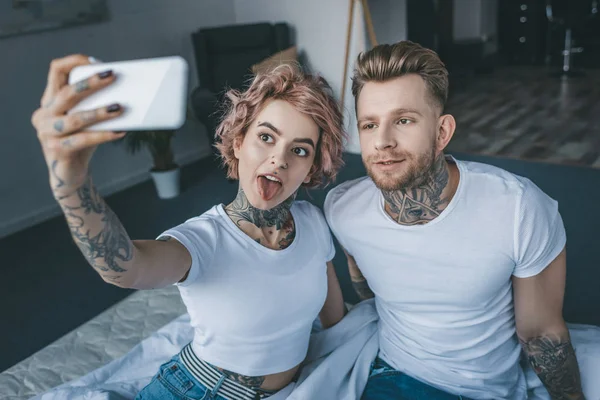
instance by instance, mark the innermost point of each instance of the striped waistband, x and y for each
(215, 380)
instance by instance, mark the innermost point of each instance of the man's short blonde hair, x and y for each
(386, 62)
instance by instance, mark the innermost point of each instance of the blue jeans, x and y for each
(174, 382)
(386, 383)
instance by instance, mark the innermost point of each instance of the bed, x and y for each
(117, 343)
(106, 337)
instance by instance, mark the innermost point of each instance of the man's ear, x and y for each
(445, 131)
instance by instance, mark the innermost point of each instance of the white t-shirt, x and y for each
(443, 289)
(252, 308)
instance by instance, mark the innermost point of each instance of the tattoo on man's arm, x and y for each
(553, 359)
(361, 287)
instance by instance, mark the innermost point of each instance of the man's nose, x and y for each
(385, 138)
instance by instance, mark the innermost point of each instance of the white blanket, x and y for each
(337, 365)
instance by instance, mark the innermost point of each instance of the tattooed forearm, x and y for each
(422, 203)
(59, 182)
(98, 232)
(554, 361)
(361, 287)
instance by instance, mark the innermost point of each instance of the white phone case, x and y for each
(153, 92)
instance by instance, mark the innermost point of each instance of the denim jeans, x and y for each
(174, 382)
(386, 383)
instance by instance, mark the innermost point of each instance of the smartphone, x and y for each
(152, 91)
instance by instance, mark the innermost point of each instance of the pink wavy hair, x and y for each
(309, 94)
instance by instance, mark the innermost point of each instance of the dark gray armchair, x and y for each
(224, 57)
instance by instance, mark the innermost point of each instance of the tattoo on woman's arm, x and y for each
(109, 248)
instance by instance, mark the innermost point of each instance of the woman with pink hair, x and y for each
(254, 274)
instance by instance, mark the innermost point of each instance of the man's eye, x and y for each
(300, 151)
(404, 121)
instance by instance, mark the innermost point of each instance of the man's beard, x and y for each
(415, 172)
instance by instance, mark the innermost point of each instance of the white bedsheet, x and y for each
(338, 367)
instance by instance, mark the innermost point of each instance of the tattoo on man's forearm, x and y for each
(82, 86)
(107, 249)
(554, 361)
(361, 287)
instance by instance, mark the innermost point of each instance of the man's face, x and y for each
(276, 154)
(398, 124)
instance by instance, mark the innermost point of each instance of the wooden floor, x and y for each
(526, 113)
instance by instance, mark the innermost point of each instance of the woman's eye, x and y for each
(369, 126)
(300, 151)
(266, 138)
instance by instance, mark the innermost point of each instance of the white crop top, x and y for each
(252, 308)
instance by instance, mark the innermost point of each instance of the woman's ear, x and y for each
(237, 146)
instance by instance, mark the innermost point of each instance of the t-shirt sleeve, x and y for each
(324, 233)
(331, 214)
(539, 231)
(199, 237)
(330, 245)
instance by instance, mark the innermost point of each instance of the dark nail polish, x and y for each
(105, 74)
(113, 108)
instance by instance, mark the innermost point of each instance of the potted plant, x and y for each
(165, 171)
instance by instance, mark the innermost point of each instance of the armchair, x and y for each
(224, 58)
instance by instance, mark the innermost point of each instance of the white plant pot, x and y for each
(167, 183)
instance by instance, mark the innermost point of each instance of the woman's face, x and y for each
(276, 154)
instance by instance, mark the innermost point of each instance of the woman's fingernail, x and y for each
(105, 74)
(94, 60)
(113, 108)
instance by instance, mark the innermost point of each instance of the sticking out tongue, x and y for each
(267, 188)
